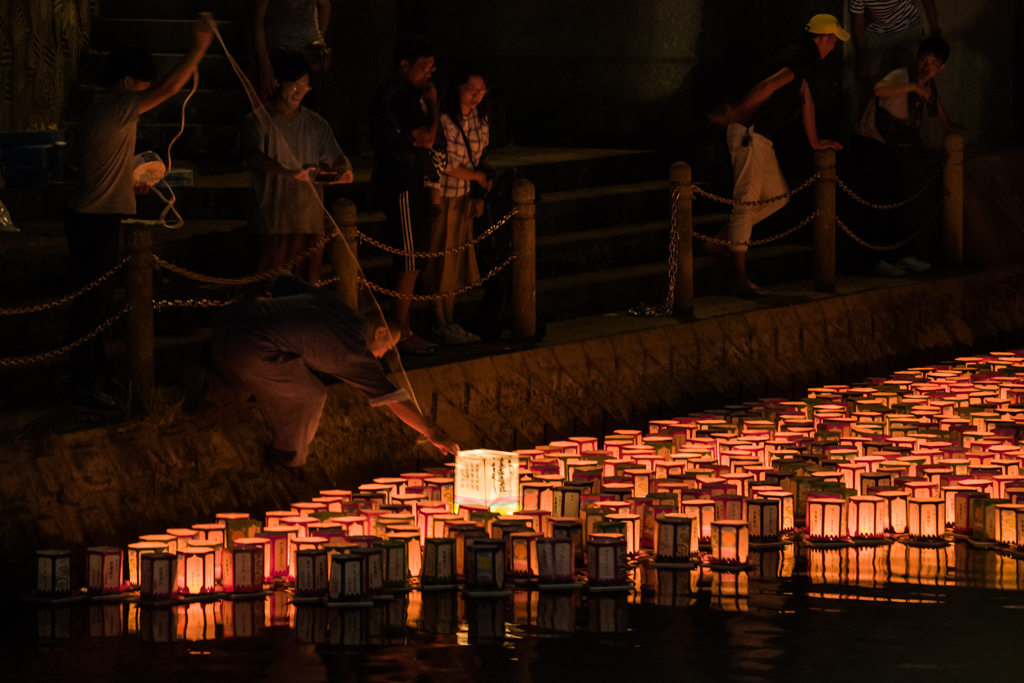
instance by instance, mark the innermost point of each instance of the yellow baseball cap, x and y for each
(826, 23)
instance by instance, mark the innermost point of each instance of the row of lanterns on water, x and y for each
(909, 455)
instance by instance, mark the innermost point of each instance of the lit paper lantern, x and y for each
(926, 517)
(348, 578)
(730, 507)
(485, 564)
(169, 541)
(555, 560)
(53, 573)
(373, 568)
(869, 480)
(312, 573)
(217, 548)
(508, 524)
(196, 571)
(522, 553)
(1009, 519)
(237, 525)
(438, 562)
(158, 576)
(676, 537)
(867, 517)
(134, 551)
(963, 506)
(486, 477)
(413, 549)
(570, 528)
(606, 560)
(764, 519)
(896, 510)
(566, 501)
(277, 562)
(730, 541)
(632, 530)
(703, 511)
(210, 532)
(105, 572)
(242, 566)
(825, 517)
(395, 563)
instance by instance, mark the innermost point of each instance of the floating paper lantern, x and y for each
(170, 542)
(485, 564)
(521, 551)
(570, 528)
(237, 525)
(158, 574)
(242, 566)
(703, 511)
(277, 562)
(867, 517)
(926, 517)
(508, 524)
(486, 477)
(963, 505)
(676, 537)
(134, 551)
(730, 507)
(606, 560)
(53, 573)
(566, 501)
(312, 573)
(104, 570)
(210, 532)
(196, 571)
(555, 560)
(373, 576)
(632, 530)
(395, 563)
(763, 519)
(438, 562)
(347, 578)
(896, 510)
(413, 549)
(1008, 524)
(730, 541)
(825, 517)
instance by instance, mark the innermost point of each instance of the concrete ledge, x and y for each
(112, 483)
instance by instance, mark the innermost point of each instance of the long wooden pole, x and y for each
(825, 221)
(953, 210)
(524, 267)
(344, 254)
(139, 295)
(680, 185)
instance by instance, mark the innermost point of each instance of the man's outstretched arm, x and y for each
(407, 413)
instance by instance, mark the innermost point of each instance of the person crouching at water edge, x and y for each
(267, 348)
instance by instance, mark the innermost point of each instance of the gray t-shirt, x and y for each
(103, 151)
(897, 105)
(291, 24)
(285, 205)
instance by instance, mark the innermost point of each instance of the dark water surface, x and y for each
(889, 613)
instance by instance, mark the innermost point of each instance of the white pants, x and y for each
(756, 175)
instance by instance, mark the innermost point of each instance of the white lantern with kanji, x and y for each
(486, 477)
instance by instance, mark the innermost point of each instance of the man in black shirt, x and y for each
(403, 124)
(267, 348)
(776, 101)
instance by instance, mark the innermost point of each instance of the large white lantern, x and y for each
(486, 477)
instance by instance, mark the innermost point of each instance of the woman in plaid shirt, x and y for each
(464, 122)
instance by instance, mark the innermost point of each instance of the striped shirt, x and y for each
(886, 16)
(479, 135)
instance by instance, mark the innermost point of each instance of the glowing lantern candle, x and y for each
(606, 559)
(522, 553)
(440, 524)
(572, 529)
(730, 541)
(105, 572)
(566, 501)
(676, 537)
(703, 511)
(347, 580)
(53, 573)
(395, 562)
(312, 573)
(926, 517)
(426, 519)
(184, 536)
(210, 532)
(963, 505)
(274, 517)
(331, 531)
(586, 443)
(555, 560)
(196, 572)
(486, 477)
(242, 566)
(730, 507)
(632, 530)
(237, 525)
(413, 549)
(763, 518)
(277, 562)
(171, 542)
(485, 564)
(1008, 531)
(373, 568)
(825, 517)
(869, 480)
(896, 509)
(438, 562)
(217, 548)
(507, 524)
(134, 551)
(867, 517)
(536, 495)
(157, 576)
(949, 495)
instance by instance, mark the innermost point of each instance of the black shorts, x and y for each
(410, 216)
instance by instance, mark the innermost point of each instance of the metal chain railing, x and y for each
(897, 205)
(432, 297)
(35, 308)
(757, 202)
(38, 358)
(192, 303)
(363, 237)
(757, 243)
(890, 247)
(664, 310)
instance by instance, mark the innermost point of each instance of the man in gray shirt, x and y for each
(267, 348)
(104, 150)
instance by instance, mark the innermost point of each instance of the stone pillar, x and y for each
(524, 267)
(344, 253)
(679, 180)
(139, 296)
(953, 210)
(825, 221)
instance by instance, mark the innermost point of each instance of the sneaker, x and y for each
(913, 263)
(886, 269)
(94, 400)
(416, 346)
(465, 335)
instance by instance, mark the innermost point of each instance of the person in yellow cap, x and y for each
(780, 99)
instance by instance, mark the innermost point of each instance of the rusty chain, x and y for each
(437, 254)
(890, 247)
(756, 202)
(431, 297)
(35, 308)
(757, 243)
(30, 360)
(897, 205)
(665, 309)
(192, 303)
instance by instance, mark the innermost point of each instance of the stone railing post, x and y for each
(139, 296)
(524, 267)
(825, 221)
(344, 254)
(681, 188)
(953, 210)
